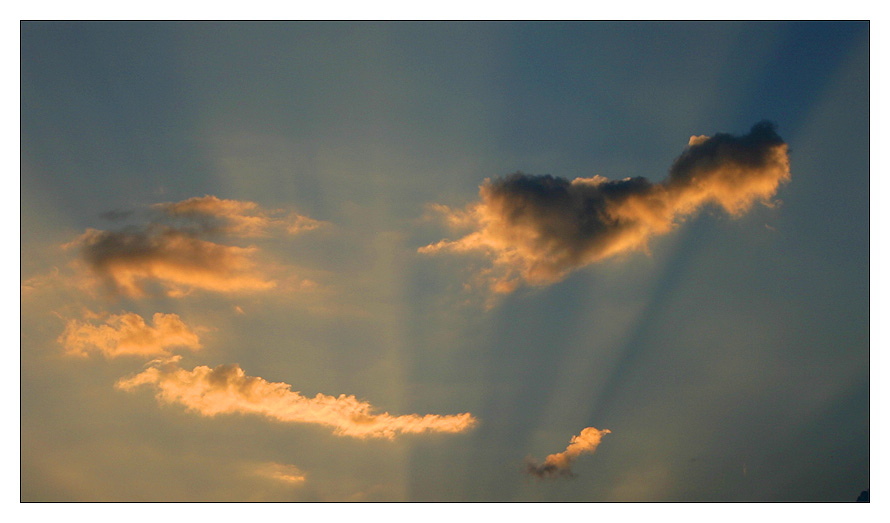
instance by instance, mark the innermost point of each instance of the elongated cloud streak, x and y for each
(235, 217)
(127, 334)
(126, 260)
(537, 229)
(226, 389)
(561, 464)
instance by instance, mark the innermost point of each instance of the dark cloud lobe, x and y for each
(752, 151)
(546, 470)
(560, 464)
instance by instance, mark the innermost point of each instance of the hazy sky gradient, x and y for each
(730, 362)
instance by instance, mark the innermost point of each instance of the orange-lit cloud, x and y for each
(537, 229)
(226, 390)
(126, 260)
(180, 246)
(235, 217)
(127, 334)
(561, 464)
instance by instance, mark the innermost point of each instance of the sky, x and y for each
(444, 262)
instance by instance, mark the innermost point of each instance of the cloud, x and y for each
(561, 464)
(235, 217)
(126, 260)
(34, 284)
(281, 472)
(537, 229)
(227, 390)
(127, 334)
(178, 246)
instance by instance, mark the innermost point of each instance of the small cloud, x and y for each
(308, 285)
(561, 464)
(227, 390)
(127, 334)
(280, 472)
(537, 229)
(296, 224)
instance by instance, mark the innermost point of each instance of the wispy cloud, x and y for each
(127, 334)
(537, 229)
(560, 464)
(281, 472)
(236, 217)
(227, 390)
(34, 284)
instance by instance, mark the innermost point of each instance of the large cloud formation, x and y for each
(226, 389)
(560, 464)
(127, 334)
(178, 248)
(537, 229)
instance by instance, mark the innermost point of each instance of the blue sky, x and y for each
(729, 359)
